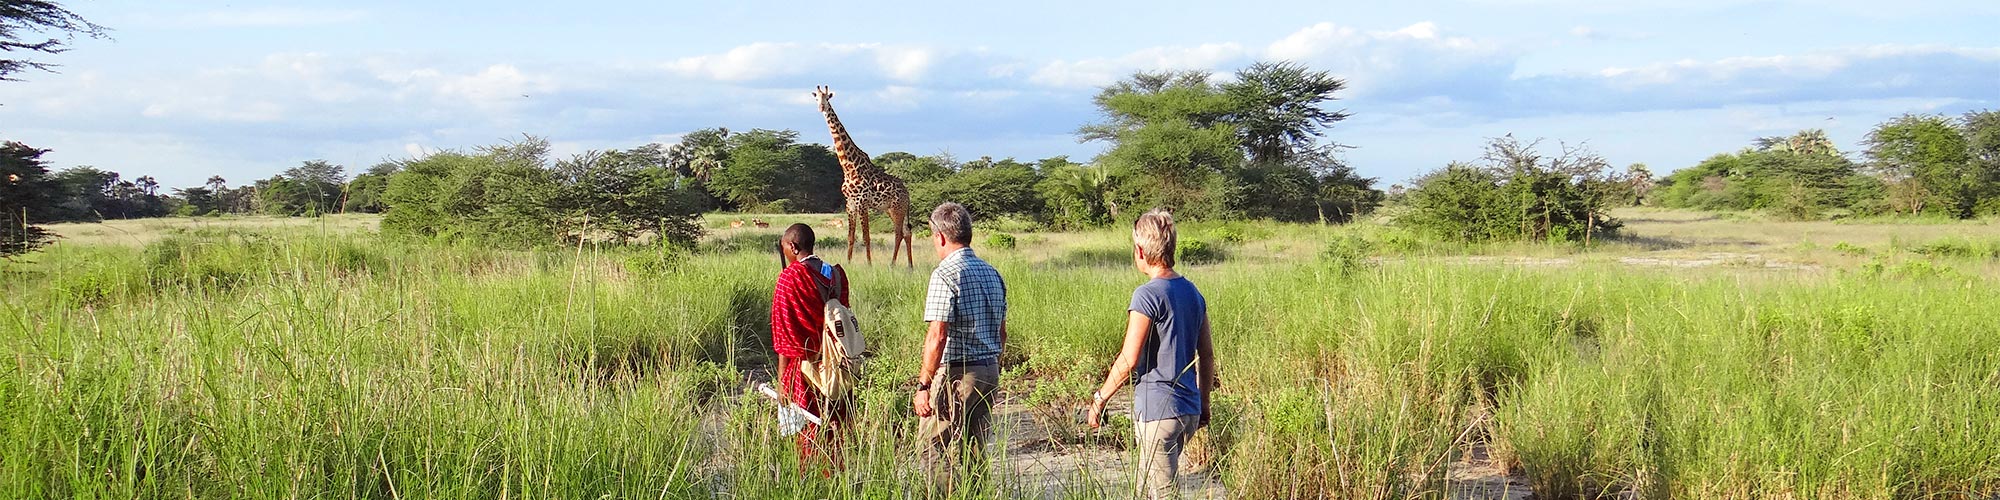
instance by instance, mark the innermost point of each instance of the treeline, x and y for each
(1929, 165)
(89, 194)
(1248, 147)
(516, 194)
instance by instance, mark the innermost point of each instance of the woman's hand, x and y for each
(1096, 417)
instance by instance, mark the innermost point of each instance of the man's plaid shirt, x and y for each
(967, 294)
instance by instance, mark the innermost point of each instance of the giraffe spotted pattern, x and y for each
(868, 189)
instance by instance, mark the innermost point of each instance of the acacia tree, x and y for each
(1925, 161)
(1251, 146)
(20, 18)
(1278, 109)
(1982, 140)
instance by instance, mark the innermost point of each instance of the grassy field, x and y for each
(1702, 356)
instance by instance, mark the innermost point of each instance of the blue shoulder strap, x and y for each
(826, 269)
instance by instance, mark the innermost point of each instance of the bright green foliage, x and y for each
(626, 195)
(770, 166)
(1176, 165)
(1519, 195)
(1246, 148)
(1927, 164)
(1078, 196)
(1003, 190)
(511, 196)
(1001, 240)
(481, 198)
(1798, 185)
(364, 193)
(1982, 139)
(916, 169)
(1460, 202)
(312, 188)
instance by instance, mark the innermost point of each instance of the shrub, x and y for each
(663, 260)
(1195, 251)
(1347, 254)
(1521, 195)
(1000, 240)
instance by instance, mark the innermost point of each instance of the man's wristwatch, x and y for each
(1096, 396)
(923, 387)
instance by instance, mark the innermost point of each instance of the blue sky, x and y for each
(240, 89)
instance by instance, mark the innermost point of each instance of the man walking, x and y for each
(960, 371)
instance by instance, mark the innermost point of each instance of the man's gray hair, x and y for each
(954, 222)
(1154, 234)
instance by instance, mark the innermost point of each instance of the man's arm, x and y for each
(933, 355)
(1137, 326)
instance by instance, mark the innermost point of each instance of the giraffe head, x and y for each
(824, 95)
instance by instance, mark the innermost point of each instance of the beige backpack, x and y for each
(841, 346)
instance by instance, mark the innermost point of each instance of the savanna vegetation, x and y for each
(500, 322)
(1359, 361)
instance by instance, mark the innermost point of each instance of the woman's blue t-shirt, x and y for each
(1167, 386)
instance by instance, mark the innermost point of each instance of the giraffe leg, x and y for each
(903, 237)
(867, 247)
(850, 234)
(896, 245)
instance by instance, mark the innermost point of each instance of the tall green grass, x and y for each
(296, 364)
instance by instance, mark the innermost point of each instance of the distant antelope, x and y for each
(760, 223)
(737, 224)
(837, 223)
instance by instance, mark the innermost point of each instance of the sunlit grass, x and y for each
(324, 361)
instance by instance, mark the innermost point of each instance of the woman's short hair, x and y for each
(1154, 235)
(952, 221)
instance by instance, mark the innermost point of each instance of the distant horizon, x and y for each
(195, 89)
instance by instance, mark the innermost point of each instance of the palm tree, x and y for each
(1088, 183)
(1806, 142)
(700, 154)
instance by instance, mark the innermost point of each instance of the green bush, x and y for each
(1522, 196)
(1193, 251)
(659, 261)
(1000, 240)
(1347, 254)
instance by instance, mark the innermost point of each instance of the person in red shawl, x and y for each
(798, 312)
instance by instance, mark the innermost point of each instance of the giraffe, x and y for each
(868, 188)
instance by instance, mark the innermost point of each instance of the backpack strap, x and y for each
(829, 287)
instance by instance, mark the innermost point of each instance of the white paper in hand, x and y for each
(790, 420)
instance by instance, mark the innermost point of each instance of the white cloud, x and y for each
(763, 60)
(1102, 71)
(357, 107)
(1413, 62)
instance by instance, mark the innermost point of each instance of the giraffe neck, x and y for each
(853, 161)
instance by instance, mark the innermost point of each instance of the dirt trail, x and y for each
(1033, 465)
(1043, 468)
